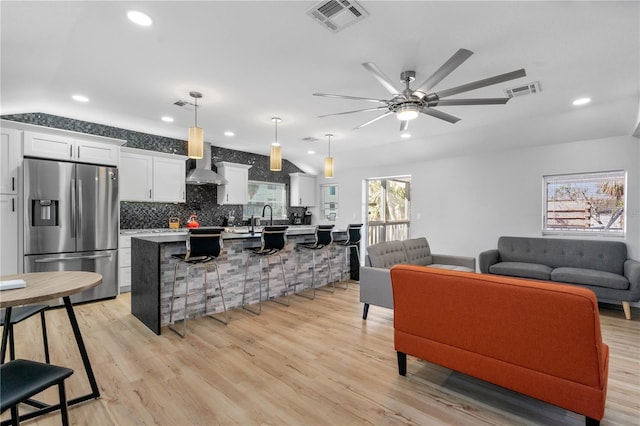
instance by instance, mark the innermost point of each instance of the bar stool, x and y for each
(204, 246)
(273, 240)
(20, 314)
(323, 238)
(352, 241)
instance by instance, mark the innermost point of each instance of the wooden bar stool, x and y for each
(272, 241)
(21, 379)
(323, 237)
(204, 246)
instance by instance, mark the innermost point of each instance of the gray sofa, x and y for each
(375, 279)
(600, 266)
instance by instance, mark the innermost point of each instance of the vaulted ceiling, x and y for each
(256, 60)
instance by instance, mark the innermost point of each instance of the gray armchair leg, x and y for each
(365, 312)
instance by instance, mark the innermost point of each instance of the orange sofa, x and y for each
(542, 340)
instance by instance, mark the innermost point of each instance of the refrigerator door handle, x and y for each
(62, 259)
(73, 208)
(79, 221)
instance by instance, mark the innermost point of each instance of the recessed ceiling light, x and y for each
(229, 133)
(405, 135)
(139, 18)
(80, 98)
(311, 152)
(582, 101)
(167, 119)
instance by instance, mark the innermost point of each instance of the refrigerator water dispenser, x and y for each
(44, 212)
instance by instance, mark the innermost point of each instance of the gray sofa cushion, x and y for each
(522, 270)
(418, 251)
(387, 254)
(606, 256)
(590, 277)
(451, 267)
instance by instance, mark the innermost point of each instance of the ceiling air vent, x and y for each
(527, 89)
(310, 139)
(335, 15)
(184, 104)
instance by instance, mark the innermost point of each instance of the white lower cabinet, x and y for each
(9, 256)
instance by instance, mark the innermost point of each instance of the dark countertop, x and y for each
(238, 234)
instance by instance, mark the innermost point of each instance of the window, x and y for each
(590, 203)
(330, 202)
(261, 193)
(389, 211)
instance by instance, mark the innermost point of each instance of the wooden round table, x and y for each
(43, 286)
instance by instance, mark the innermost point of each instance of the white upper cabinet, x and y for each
(70, 148)
(303, 190)
(152, 176)
(136, 176)
(236, 191)
(10, 157)
(169, 184)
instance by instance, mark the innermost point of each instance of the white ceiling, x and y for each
(256, 60)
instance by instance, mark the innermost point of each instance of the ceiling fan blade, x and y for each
(327, 95)
(477, 101)
(382, 78)
(404, 125)
(371, 121)
(439, 114)
(447, 68)
(482, 83)
(350, 112)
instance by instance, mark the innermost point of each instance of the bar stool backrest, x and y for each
(353, 233)
(273, 237)
(324, 236)
(204, 242)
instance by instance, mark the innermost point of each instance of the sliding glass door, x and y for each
(389, 209)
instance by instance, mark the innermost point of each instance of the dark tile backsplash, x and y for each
(201, 199)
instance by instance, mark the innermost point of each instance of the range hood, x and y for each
(202, 174)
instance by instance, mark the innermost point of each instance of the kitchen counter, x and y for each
(153, 268)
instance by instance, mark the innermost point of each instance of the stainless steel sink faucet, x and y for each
(270, 213)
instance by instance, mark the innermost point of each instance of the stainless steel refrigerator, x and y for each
(71, 221)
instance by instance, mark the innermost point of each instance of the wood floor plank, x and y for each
(315, 362)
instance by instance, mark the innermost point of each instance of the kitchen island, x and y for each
(153, 266)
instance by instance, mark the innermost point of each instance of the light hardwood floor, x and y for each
(313, 363)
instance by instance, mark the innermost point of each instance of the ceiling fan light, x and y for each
(195, 146)
(275, 159)
(407, 112)
(328, 167)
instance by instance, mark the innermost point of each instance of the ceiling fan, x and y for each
(408, 103)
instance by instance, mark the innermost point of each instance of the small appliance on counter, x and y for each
(193, 222)
(296, 219)
(174, 223)
(306, 220)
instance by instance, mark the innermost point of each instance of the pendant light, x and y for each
(275, 160)
(195, 146)
(328, 162)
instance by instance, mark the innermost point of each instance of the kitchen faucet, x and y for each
(270, 213)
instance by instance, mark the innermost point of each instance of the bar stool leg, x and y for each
(224, 306)
(295, 279)
(284, 279)
(244, 289)
(186, 298)
(330, 280)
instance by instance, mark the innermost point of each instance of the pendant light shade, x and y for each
(195, 146)
(275, 159)
(328, 161)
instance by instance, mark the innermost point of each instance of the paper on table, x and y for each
(11, 284)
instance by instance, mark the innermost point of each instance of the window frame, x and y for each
(584, 178)
(245, 208)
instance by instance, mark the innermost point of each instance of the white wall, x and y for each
(462, 205)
